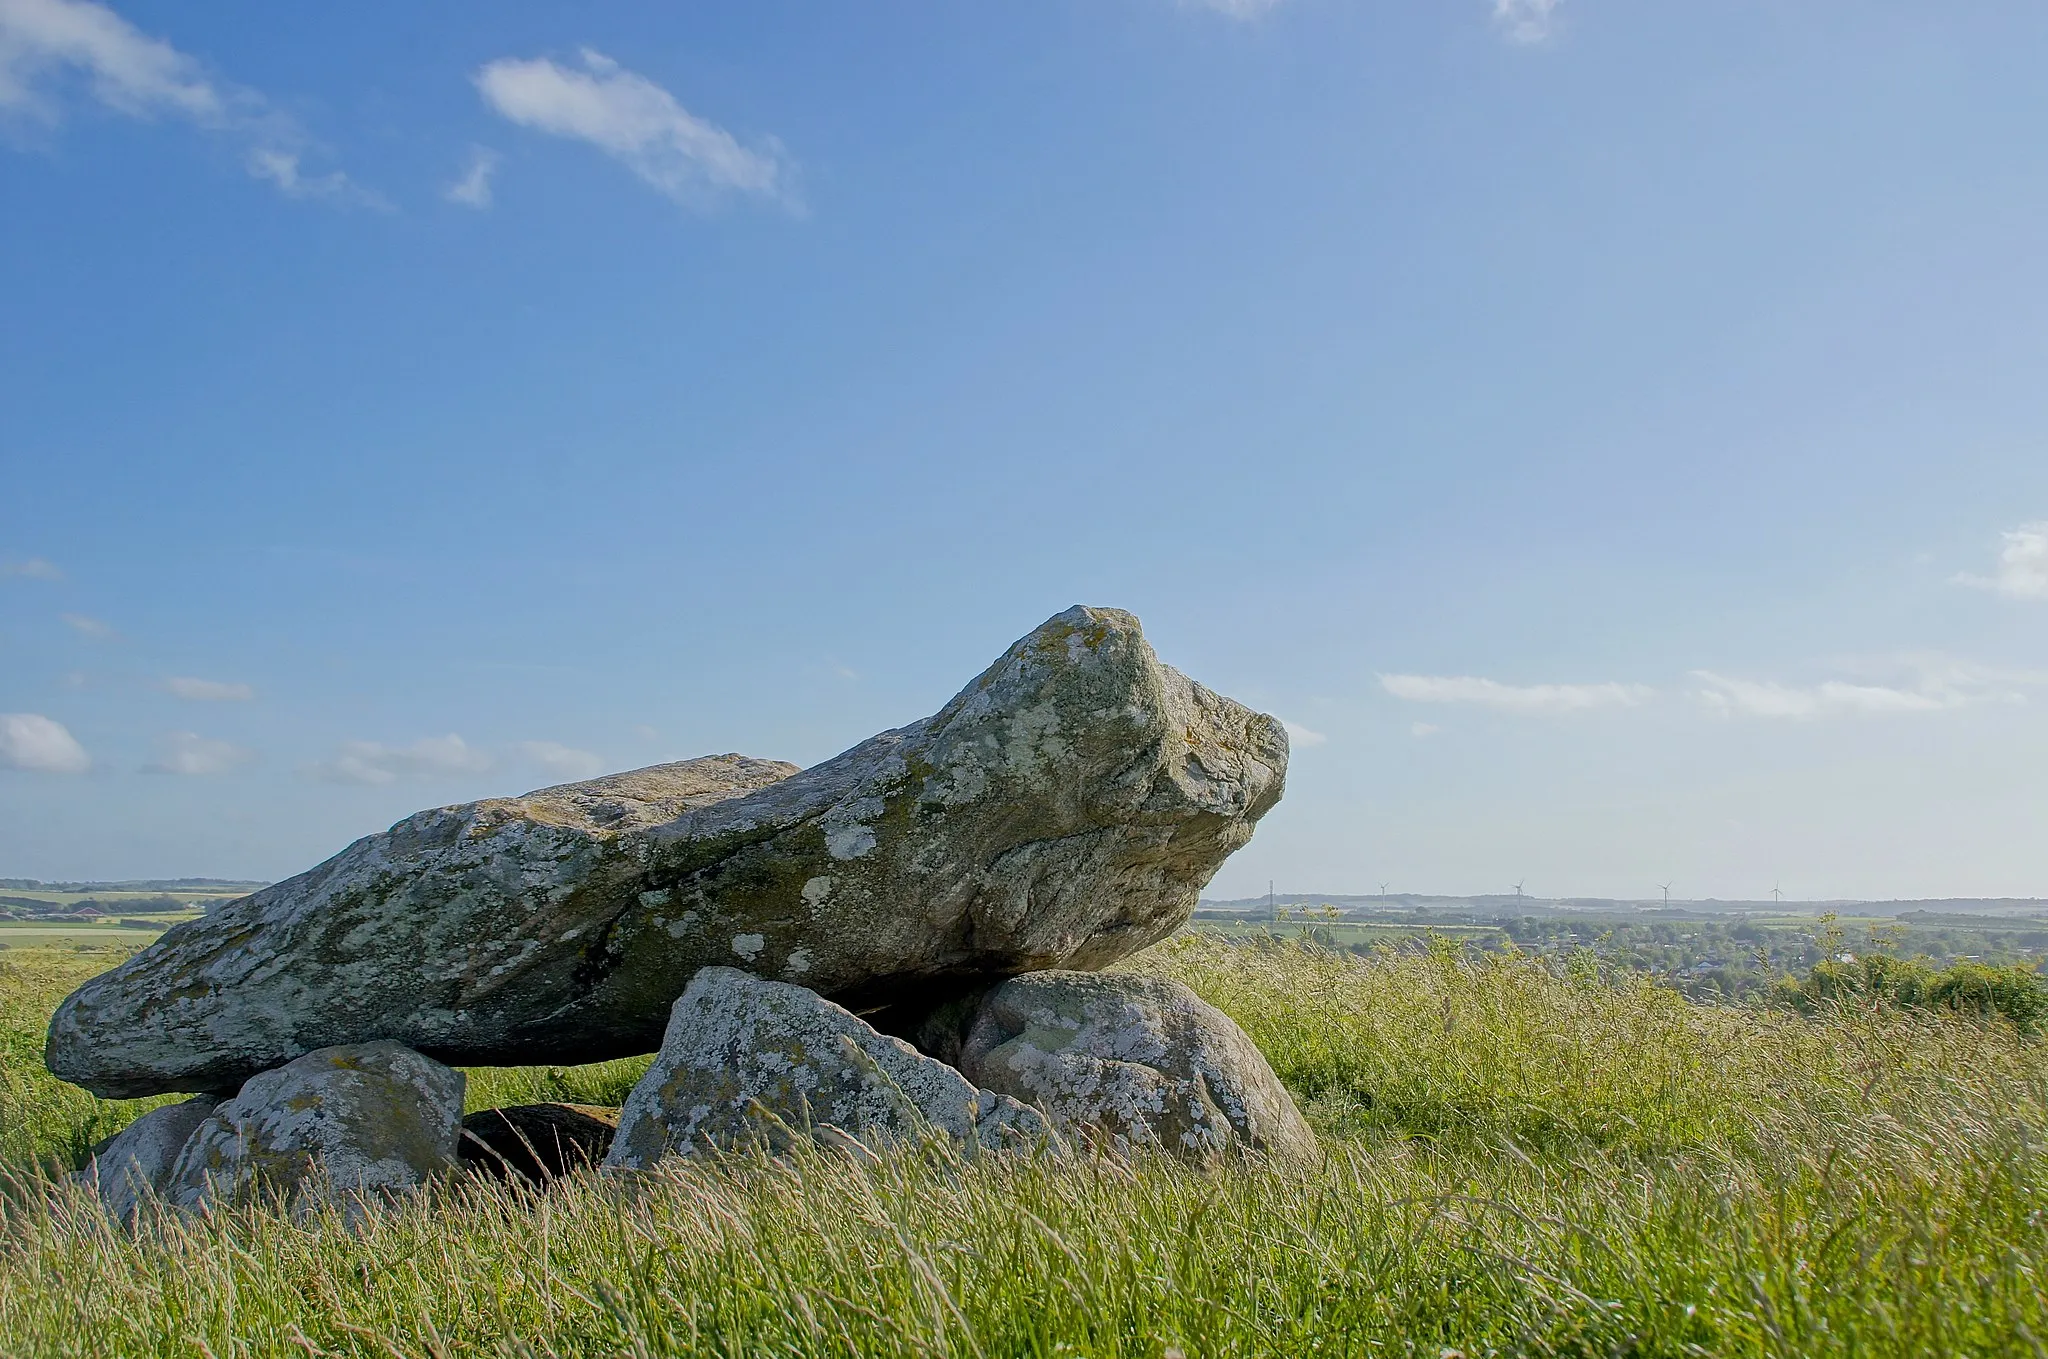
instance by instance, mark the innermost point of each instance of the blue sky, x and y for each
(1613, 436)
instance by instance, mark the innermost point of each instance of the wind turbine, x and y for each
(1383, 891)
(1665, 887)
(1518, 887)
(1776, 895)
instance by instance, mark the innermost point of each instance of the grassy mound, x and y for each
(1519, 1163)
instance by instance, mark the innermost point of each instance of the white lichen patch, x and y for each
(850, 842)
(799, 962)
(817, 889)
(749, 946)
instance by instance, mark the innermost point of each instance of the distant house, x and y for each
(88, 913)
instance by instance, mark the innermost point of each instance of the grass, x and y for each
(1520, 1163)
(29, 934)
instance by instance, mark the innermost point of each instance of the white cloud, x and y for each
(91, 627)
(189, 753)
(1526, 21)
(1515, 698)
(208, 691)
(1937, 685)
(281, 168)
(637, 123)
(32, 741)
(565, 762)
(1235, 9)
(124, 69)
(1759, 698)
(1299, 735)
(2022, 565)
(1421, 730)
(473, 190)
(35, 568)
(374, 763)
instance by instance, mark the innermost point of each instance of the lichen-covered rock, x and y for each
(537, 1142)
(348, 1121)
(748, 1062)
(1128, 1062)
(1064, 809)
(135, 1163)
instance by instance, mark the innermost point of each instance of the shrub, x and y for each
(1879, 978)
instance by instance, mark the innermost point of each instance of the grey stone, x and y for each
(748, 1062)
(368, 1118)
(1063, 810)
(1128, 1062)
(135, 1164)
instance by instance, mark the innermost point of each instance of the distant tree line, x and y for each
(39, 907)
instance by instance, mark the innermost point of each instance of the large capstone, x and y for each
(752, 1063)
(345, 1122)
(1128, 1063)
(1063, 810)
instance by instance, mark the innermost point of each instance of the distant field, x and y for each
(195, 900)
(36, 934)
(1342, 934)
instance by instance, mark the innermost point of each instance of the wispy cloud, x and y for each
(33, 742)
(282, 169)
(1514, 698)
(125, 69)
(564, 762)
(637, 123)
(34, 568)
(1299, 735)
(473, 189)
(2022, 565)
(208, 691)
(90, 627)
(1931, 684)
(1526, 21)
(190, 754)
(1833, 698)
(1423, 730)
(42, 42)
(370, 762)
(1235, 9)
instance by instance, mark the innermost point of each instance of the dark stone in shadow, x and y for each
(537, 1142)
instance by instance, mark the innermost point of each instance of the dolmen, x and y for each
(906, 939)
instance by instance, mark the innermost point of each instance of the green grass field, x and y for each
(94, 937)
(1519, 1163)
